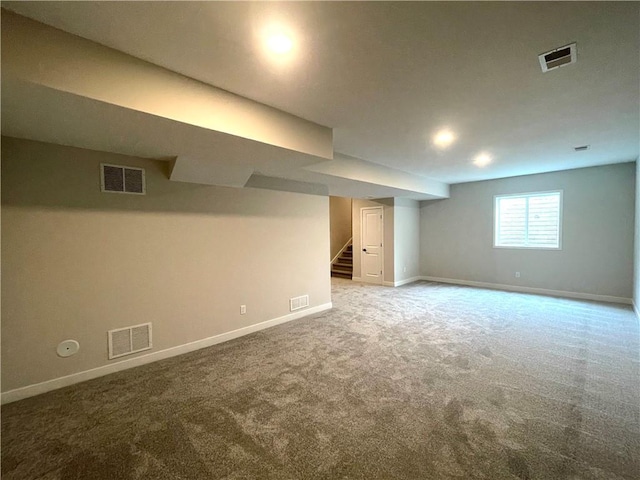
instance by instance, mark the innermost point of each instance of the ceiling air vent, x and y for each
(120, 179)
(558, 58)
(581, 148)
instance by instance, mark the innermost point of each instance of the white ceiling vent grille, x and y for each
(297, 303)
(558, 58)
(128, 340)
(121, 179)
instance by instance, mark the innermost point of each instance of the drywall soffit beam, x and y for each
(202, 171)
(129, 106)
(356, 169)
(40, 113)
(286, 185)
(37, 53)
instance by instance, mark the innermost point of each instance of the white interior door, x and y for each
(371, 242)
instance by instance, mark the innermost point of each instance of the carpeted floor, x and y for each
(426, 381)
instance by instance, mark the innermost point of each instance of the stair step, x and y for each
(342, 268)
(341, 275)
(343, 264)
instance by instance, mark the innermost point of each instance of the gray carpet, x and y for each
(426, 381)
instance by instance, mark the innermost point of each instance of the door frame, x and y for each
(381, 255)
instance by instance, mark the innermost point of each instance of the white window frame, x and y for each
(496, 198)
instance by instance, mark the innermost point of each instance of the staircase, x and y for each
(343, 266)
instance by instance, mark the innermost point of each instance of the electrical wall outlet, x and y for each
(243, 309)
(404, 269)
(517, 274)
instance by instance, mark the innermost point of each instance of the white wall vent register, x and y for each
(121, 179)
(128, 340)
(297, 303)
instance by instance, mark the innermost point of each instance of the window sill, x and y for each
(502, 247)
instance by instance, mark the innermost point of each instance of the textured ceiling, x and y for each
(387, 75)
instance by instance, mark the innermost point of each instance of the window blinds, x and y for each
(528, 221)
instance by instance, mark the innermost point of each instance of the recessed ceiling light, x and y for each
(482, 160)
(444, 138)
(279, 43)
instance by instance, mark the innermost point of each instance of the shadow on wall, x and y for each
(36, 174)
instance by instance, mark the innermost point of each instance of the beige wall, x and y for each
(77, 262)
(456, 235)
(406, 233)
(636, 255)
(387, 241)
(340, 223)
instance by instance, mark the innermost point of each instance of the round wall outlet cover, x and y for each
(66, 348)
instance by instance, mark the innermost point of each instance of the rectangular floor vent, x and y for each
(297, 303)
(119, 179)
(128, 340)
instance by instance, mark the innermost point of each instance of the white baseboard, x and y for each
(538, 291)
(399, 283)
(359, 279)
(56, 383)
(390, 284)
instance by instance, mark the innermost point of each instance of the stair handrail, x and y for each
(346, 245)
